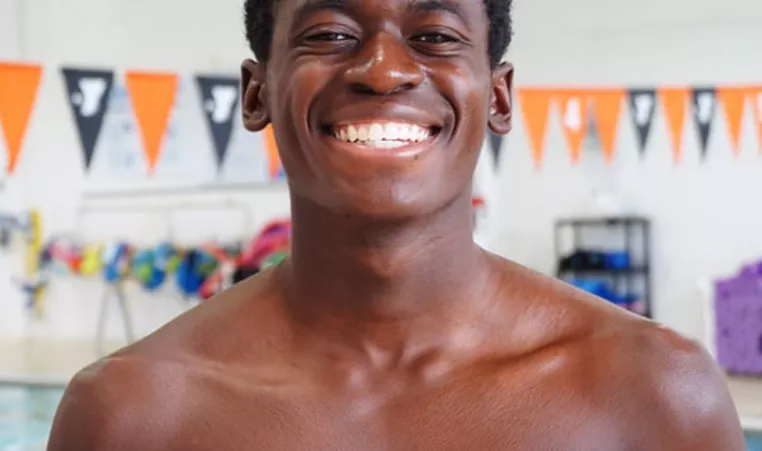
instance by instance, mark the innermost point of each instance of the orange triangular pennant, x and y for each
(607, 108)
(756, 101)
(19, 84)
(573, 107)
(274, 167)
(732, 100)
(152, 96)
(535, 107)
(674, 101)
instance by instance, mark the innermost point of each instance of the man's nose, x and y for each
(384, 66)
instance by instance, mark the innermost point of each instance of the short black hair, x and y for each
(259, 21)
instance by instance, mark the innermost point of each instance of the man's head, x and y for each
(379, 107)
(258, 18)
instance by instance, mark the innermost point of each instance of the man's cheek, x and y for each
(301, 93)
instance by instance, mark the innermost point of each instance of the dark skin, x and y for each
(388, 328)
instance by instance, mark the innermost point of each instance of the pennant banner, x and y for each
(733, 102)
(88, 93)
(642, 109)
(535, 108)
(496, 147)
(152, 96)
(275, 168)
(219, 100)
(574, 109)
(704, 102)
(607, 108)
(19, 84)
(94, 94)
(674, 101)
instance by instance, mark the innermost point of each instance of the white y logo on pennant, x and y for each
(705, 104)
(644, 103)
(89, 98)
(221, 104)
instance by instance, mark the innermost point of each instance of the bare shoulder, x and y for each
(665, 388)
(237, 320)
(139, 396)
(681, 398)
(118, 403)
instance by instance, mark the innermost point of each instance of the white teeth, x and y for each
(363, 133)
(351, 133)
(392, 132)
(386, 135)
(403, 131)
(377, 132)
(419, 134)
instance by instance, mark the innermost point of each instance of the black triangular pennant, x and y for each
(496, 147)
(219, 100)
(704, 102)
(89, 92)
(642, 109)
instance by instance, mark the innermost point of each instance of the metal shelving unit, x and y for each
(634, 239)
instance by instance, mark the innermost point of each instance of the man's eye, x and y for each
(330, 37)
(434, 38)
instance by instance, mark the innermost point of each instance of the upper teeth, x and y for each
(377, 132)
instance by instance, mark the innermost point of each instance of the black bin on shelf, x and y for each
(619, 270)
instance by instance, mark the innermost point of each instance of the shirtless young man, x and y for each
(388, 328)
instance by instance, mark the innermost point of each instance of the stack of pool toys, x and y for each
(738, 319)
(201, 271)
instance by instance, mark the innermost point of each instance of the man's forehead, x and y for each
(299, 8)
(412, 3)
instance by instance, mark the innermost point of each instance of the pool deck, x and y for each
(52, 364)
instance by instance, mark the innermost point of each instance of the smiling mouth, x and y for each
(382, 134)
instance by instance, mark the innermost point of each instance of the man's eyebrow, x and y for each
(310, 7)
(449, 6)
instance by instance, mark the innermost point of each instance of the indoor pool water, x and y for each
(26, 414)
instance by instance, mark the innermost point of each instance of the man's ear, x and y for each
(501, 104)
(254, 106)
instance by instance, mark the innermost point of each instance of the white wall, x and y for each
(695, 207)
(704, 220)
(175, 35)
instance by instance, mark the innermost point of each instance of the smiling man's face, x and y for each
(379, 107)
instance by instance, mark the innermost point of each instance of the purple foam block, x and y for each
(753, 270)
(738, 304)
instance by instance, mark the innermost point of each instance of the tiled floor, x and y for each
(27, 412)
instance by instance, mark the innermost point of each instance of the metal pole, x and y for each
(117, 290)
(126, 316)
(101, 326)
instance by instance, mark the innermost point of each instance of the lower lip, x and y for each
(410, 150)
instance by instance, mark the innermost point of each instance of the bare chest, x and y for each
(451, 418)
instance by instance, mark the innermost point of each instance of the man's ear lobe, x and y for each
(501, 104)
(254, 105)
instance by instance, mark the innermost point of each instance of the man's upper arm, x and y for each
(98, 412)
(696, 411)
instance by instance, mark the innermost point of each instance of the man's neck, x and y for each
(359, 275)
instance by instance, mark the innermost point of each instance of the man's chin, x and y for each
(376, 201)
(383, 208)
